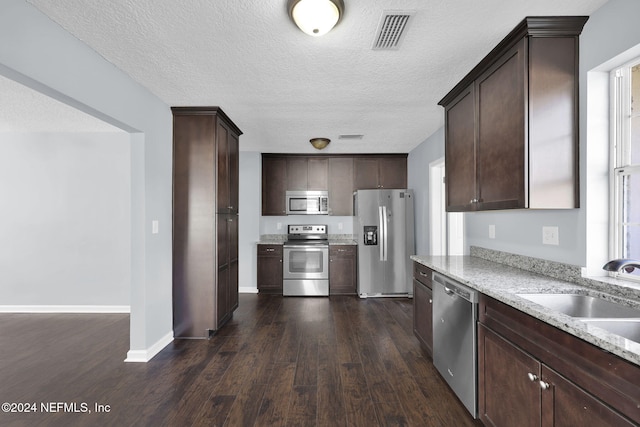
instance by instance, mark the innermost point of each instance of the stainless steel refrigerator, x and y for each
(384, 229)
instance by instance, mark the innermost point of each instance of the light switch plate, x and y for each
(154, 226)
(550, 235)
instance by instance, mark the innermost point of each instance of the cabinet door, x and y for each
(508, 383)
(566, 405)
(423, 315)
(274, 185)
(297, 170)
(318, 174)
(343, 270)
(341, 186)
(222, 172)
(270, 268)
(460, 158)
(501, 132)
(366, 173)
(392, 172)
(234, 172)
(222, 295)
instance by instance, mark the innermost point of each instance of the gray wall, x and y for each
(250, 166)
(65, 222)
(418, 162)
(38, 53)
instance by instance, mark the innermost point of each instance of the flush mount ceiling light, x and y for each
(319, 143)
(316, 17)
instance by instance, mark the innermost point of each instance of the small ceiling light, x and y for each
(319, 143)
(316, 17)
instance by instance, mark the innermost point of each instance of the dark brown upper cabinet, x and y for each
(388, 171)
(340, 175)
(511, 124)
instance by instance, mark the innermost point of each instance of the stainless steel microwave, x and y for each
(307, 202)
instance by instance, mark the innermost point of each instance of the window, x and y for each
(625, 170)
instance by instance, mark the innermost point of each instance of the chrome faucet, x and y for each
(618, 265)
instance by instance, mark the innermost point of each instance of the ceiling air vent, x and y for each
(351, 136)
(391, 29)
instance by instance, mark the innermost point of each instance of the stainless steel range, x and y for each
(306, 261)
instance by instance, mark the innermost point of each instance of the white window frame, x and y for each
(620, 157)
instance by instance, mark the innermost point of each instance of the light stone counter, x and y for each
(503, 282)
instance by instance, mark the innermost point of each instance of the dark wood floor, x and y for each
(280, 361)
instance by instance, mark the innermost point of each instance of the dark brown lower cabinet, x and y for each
(532, 374)
(423, 306)
(343, 269)
(270, 268)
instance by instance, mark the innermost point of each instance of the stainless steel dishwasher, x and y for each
(455, 356)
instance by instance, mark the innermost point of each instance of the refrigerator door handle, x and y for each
(381, 234)
(384, 233)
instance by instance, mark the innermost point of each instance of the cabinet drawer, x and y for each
(342, 250)
(269, 250)
(422, 274)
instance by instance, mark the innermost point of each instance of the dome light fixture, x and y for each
(319, 143)
(316, 17)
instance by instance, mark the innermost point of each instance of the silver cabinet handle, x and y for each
(270, 249)
(544, 385)
(423, 274)
(430, 301)
(532, 377)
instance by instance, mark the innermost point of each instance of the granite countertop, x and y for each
(503, 283)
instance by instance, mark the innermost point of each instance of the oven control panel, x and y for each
(307, 229)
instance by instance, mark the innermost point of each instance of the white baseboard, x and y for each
(144, 356)
(65, 309)
(247, 290)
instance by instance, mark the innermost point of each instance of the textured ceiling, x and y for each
(282, 87)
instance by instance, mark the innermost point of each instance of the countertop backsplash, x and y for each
(560, 271)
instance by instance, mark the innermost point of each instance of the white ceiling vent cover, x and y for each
(391, 29)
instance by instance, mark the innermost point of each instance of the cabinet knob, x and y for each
(532, 377)
(544, 385)
(430, 301)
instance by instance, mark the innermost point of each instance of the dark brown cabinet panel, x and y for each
(530, 373)
(205, 232)
(380, 172)
(274, 185)
(341, 186)
(509, 391)
(297, 173)
(365, 173)
(392, 172)
(423, 306)
(341, 175)
(343, 269)
(460, 155)
(511, 124)
(270, 268)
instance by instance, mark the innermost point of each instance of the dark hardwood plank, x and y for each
(279, 361)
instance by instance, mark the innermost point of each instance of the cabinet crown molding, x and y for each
(531, 26)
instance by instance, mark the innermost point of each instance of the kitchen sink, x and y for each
(628, 328)
(583, 306)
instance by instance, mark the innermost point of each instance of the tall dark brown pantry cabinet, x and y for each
(205, 220)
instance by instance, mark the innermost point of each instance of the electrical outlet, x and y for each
(550, 236)
(339, 226)
(155, 224)
(279, 226)
(492, 231)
